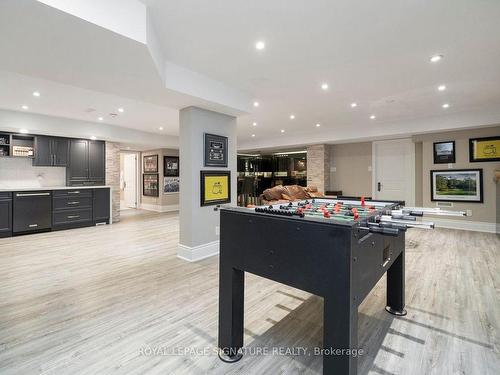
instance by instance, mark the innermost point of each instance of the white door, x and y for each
(130, 180)
(393, 172)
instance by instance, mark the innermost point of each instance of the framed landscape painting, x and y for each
(459, 185)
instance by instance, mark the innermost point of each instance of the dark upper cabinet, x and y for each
(101, 205)
(51, 151)
(96, 160)
(86, 162)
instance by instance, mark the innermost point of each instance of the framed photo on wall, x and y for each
(457, 185)
(171, 185)
(484, 149)
(171, 166)
(150, 164)
(444, 152)
(215, 150)
(150, 185)
(215, 187)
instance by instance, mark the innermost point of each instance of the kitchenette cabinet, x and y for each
(51, 151)
(5, 214)
(86, 163)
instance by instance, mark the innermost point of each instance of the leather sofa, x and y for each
(288, 193)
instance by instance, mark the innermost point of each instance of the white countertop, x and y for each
(40, 188)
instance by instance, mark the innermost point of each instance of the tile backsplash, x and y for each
(18, 173)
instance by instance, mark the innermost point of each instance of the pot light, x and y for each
(93, 137)
(446, 105)
(25, 107)
(23, 131)
(100, 118)
(255, 104)
(318, 125)
(260, 45)
(253, 135)
(160, 128)
(254, 124)
(324, 86)
(282, 130)
(36, 93)
(354, 105)
(373, 117)
(121, 110)
(292, 117)
(441, 87)
(436, 58)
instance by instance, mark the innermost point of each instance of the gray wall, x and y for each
(198, 224)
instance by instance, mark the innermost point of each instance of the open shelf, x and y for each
(22, 145)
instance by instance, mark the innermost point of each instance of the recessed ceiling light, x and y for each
(160, 128)
(373, 117)
(253, 135)
(441, 87)
(36, 93)
(318, 125)
(282, 130)
(25, 107)
(260, 45)
(121, 110)
(100, 118)
(23, 131)
(324, 86)
(354, 105)
(255, 104)
(254, 124)
(446, 105)
(93, 137)
(292, 117)
(436, 58)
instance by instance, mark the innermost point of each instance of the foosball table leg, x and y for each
(231, 306)
(396, 287)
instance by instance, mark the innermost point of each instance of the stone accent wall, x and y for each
(113, 177)
(318, 166)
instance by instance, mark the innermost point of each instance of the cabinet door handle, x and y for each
(32, 225)
(74, 192)
(31, 194)
(72, 203)
(73, 216)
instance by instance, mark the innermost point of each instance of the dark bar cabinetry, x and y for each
(5, 214)
(51, 151)
(86, 163)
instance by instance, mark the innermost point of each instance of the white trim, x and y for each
(196, 253)
(159, 208)
(411, 149)
(476, 226)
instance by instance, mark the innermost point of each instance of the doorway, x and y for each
(129, 188)
(393, 174)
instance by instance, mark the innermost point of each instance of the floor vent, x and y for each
(444, 204)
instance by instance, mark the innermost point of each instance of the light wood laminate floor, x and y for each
(100, 300)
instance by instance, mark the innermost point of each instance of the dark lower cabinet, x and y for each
(5, 214)
(101, 206)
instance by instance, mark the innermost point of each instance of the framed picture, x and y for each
(171, 185)
(150, 164)
(215, 151)
(215, 187)
(171, 166)
(484, 149)
(444, 152)
(458, 185)
(150, 185)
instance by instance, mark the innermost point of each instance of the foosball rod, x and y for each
(408, 223)
(429, 211)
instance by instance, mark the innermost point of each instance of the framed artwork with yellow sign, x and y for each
(215, 187)
(484, 149)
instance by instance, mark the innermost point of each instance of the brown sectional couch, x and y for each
(287, 193)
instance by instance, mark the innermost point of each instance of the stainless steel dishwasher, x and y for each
(32, 211)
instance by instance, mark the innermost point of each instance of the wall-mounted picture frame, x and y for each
(444, 152)
(215, 147)
(484, 149)
(150, 164)
(171, 166)
(150, 185)
(171, 185)
(457, 185)
(215, 187)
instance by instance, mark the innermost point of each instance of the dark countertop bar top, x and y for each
(39, 188)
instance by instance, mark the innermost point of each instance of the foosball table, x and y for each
(337, 249)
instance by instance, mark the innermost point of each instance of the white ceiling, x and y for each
(375, 53)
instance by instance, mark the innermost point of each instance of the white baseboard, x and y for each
(159, 208)
(195, 253)
(476, 226)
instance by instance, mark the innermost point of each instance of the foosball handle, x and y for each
(394, 232)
